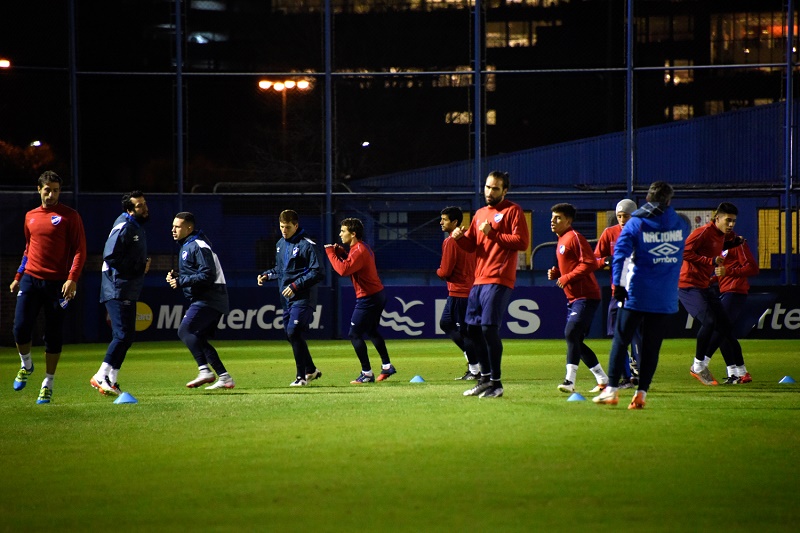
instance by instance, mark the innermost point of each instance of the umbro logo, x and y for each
(664, 250)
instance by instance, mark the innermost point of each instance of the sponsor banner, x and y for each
(414, 312)
(255, 314)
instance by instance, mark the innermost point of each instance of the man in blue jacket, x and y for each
(201, 278)
(298, 271)
(655, 237)
(125, 263)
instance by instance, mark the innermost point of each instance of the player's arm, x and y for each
(746, 266)
(602, 252)
(690, 255)
(518, 238)
(346, 266)
(586, 263)
(449, 256)
(312, 274)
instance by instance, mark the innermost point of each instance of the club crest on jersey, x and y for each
(562, 249)
(184, 254)
(295, 251)
(498, 217)
(55, 219)
(724, 253)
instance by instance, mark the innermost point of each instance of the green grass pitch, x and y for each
(398, 456)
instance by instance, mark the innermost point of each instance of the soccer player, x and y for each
(575, 274)
(497, 233)
(702, 259)
(201, 278)
(739, 264)
(654, 238)
(47, 278)
(298, 272)
(125, 264)
(359, 263)
(604, 252)
(458, 270)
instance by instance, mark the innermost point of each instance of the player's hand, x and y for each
(607, 260)
(288, 292)
(720, 271)
(262, 279)
(147, 265)
(69, 289)
(553, 273)
(14, 286)
(620, 293)
(458, 233)
(485, 227)
(719, 260)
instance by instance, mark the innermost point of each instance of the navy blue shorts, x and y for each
(487, 305)
(35, 294)
(695, 301)
(367, 313)
(297, 317)
(454, 314)
(580, 313)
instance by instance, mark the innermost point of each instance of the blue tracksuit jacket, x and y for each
(124, 260)
(200, 274)
(297, 264)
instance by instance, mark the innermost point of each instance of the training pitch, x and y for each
(396, 455)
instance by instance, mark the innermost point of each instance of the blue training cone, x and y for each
(417, 379)
(787, 379)
(126, 398)
(576, 397)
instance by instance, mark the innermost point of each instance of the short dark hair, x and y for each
(727, 208)
(289, 216)
(354, 226)
(499, 175)
(453, 213)
(48, 176)
(568, 210)
(187, 216)
(127, 204)
(660, 192)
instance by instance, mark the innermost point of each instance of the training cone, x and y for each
(126, 398)
(575, 397)
(417, 379)
(787, 379)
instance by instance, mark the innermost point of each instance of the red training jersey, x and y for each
(739, 265)
(496, 253)
(457, 268)
(703, 246)
(55, 244)
(605, 246)
(360, 266)
(576, 266)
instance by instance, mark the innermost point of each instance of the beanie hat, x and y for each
(626, 206)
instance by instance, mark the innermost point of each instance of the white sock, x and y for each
(367, 372)
(48, 381)
(741, 370)
(732, 370)
(643, 393)
(475, 369)
(204, 369)
(112, 375)
(386, 367)
(599, 374)
(697, 366)
(26, 360)
(572, 373)
(706, 362)
(610, 390)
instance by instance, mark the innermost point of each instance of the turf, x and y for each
(398, 456)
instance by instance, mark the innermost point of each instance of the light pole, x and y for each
(283, 87)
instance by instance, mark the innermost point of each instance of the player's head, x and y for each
(660, 192)
(725, 217)
(352, 228)
(49, 188)
(561, 218)
(182, 225)
(496, 187)
(451, 218)
(134, 204)
(289, 222)
(625, 209)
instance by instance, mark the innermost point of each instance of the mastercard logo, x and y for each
(144, 316)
